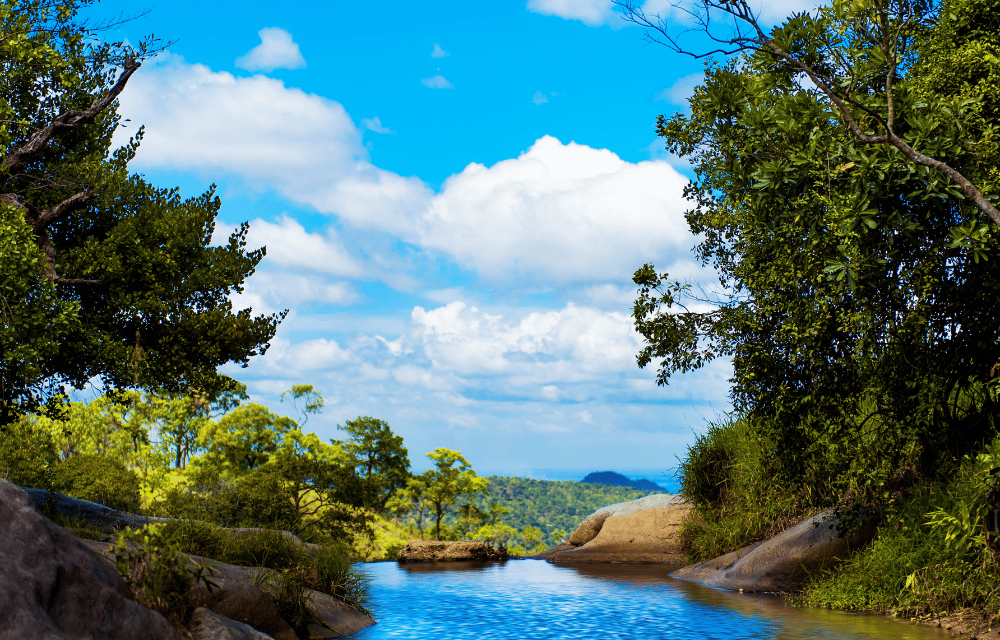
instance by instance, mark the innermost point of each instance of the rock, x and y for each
(207, 625)
(94, 514)
(336, 616)
(236, 596)
(638, 531)
(780, 564)
(52, 586)
(438, 551)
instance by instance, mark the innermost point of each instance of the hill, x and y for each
(618, 480)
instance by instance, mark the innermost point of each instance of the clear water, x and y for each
(534, 600)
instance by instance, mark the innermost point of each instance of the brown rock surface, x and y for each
(440, 551)
(780, 564)
(53, 587)
(208, 625)
(638, 531)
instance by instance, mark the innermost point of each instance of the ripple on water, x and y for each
(534, 600)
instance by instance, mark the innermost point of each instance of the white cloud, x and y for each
(438, 52)
(539, 98)
(595, 13)
(375, 125)
(559, 213)
(275, 51)
(681, 90)
(592, 13)
(437, 82)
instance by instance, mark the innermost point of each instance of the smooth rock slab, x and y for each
(781, 564)
(53, 587)
(638, 531)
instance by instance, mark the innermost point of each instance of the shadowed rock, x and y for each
(53, 587)
(208, 625)
(780, 564)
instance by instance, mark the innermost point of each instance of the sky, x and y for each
(453, 198)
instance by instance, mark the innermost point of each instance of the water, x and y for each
(534, 600)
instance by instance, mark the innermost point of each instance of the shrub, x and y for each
(99, 479)
(162, 578)
(27, 455)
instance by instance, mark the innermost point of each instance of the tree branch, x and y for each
(22, 156)
(740, 11)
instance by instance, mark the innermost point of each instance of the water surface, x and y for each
(534, 600)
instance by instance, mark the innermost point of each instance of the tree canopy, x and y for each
(102, 275)
(859, 280)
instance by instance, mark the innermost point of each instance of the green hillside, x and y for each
(551, 505)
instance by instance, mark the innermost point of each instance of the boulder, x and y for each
(334, 615)
(53, 587)
(638, 531)
(207, 625)
(439, 551)
(781, 564)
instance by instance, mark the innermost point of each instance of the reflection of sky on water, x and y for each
(534, 600)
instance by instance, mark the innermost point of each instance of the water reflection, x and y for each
(530, 600)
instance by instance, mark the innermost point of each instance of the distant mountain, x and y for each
(618, 480)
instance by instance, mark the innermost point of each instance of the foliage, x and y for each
(27, 455)
(312, 400)
(124, 273)
(725, 476)
(936, 553)
(447, 483)
(379, 457)
(387, 539)
(161, 577)
(859, 291)
(553, 507)
(98, 479)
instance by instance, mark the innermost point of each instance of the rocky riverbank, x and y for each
(55, 585)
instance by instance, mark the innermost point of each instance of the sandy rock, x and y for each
(782, 563)
(208, 625)
(53, 587)
(439, 551)
(638, 531)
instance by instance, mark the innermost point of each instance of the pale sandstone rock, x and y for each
(53, 587)
(638, 531)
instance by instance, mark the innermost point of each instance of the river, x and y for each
(535, 600)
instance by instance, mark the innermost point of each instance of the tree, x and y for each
(447, 483)
(243, 439)
(124, 272)
(379, 457)
(860, 293)
(312, 401)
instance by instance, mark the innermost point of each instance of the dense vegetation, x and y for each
(833, 158)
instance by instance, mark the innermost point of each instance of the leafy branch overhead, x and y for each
(845, 51)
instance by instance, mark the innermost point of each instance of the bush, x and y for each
(728, 479)
(99, 479)
(27, 455)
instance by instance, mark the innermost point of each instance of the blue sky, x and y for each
(453, 197)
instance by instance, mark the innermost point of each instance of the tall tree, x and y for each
(451, 479)
(861, 287)
(136, 295)
(379, 457)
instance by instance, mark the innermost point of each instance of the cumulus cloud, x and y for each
(438, 52)
(275, 51)
(375, 125)
(437, 82)
(558, 213)
(539, 98)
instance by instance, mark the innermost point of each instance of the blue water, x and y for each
(534, 600)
